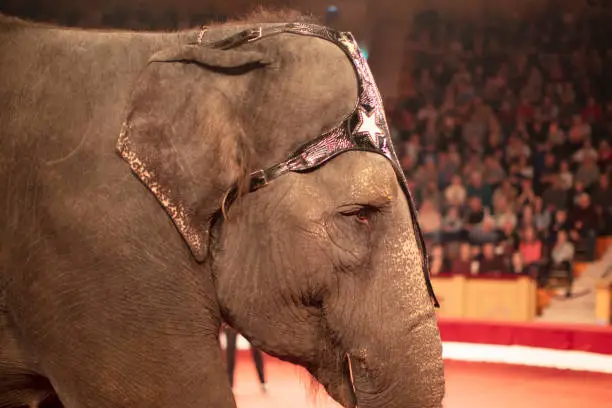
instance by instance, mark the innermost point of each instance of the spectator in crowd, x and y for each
(561, 258)
(455, 194)
(427, 112)
(547, 173)
(555, 196)
(431, 221)
(452, 226)
(579, 131)
(527, 219)
(493, 171)
(560, 223)
(588, 172)
(484, 232)
(565, 175)
(602, 195)
(478, 188)
(437, 261)
(491, 262)
(516, 263)
(541, 217)
(504, 214)
(549, 112)
(524, 169)
(556, 135)
(530, 248)
(463, 264)
(447, 169)
(505, 196)
(592, 112)
(517, 148)
(412, 149)
(587, 151)
(428, 172)
(527, 196)
(604, 156)
(583, 221)
(508, 240)
(575, 192)
(475, 213)
(430, 192)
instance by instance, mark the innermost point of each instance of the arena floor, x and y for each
(469, 385)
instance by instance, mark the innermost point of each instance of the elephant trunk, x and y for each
(384, 318)
(390, 332)
(405, 371)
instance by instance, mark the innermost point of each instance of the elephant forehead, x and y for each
(360, 176)
(351, 178)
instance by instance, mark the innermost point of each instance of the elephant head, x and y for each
(268, 147)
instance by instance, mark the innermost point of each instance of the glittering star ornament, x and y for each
(367, 125)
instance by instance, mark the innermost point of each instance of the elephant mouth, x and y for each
(338, 382)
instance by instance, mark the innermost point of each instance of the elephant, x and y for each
(156, 185)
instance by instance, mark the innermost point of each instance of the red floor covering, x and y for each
(469, 385)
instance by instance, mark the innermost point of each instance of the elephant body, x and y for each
(117, 265)
(75, 218)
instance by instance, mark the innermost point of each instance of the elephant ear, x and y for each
(182, 137)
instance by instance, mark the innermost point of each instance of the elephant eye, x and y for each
(363, 214)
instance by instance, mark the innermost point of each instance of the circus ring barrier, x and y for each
(490, 319)
(500, 297)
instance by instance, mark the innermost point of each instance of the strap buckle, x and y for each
(203, 30)
(243, 37)
(254, 34)
(259, 179)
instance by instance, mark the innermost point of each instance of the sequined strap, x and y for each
(255, 34)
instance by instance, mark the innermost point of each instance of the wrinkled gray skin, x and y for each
(102, 301)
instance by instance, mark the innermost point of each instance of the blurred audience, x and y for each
(506, 130)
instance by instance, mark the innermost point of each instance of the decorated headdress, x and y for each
(364, 129)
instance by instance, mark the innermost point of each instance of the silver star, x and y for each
(368, 125)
